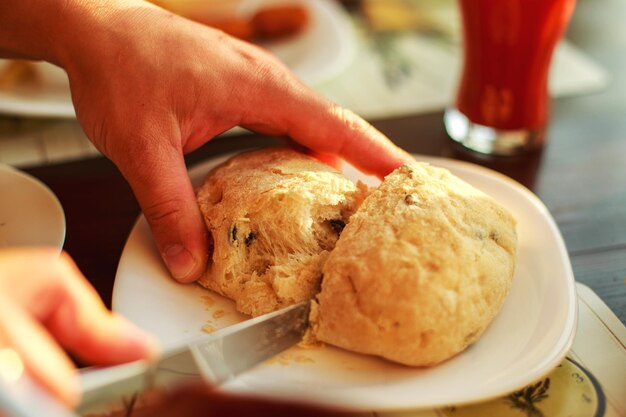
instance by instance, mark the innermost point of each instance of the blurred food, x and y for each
(18, 72)
(438, 18)
(279, 21)
(269, 21)
(390, 15)
(239, 28)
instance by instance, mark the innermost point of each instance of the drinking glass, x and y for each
(502, 102)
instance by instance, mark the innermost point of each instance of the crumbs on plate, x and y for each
(219, 314)
(287, 358)
(208, 301)
(208, 327)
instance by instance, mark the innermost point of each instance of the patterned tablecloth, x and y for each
(590, 382)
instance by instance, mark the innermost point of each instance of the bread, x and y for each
(274, 216)
(420, 270)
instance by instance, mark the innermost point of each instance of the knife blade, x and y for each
(215, 357)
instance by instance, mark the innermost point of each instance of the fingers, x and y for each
(342, 132)
(329, 159)
(271, 100)
(57, 295)
(52, 303)
(322, 126)
(44, 360)
(160, 182)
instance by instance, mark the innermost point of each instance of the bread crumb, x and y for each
(304, 359)
(309, 341)
(283, 359)
(219, 314)
(208, 327)
(208, 301)
(286, 359)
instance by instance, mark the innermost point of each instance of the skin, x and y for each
(149, 86)
(46, 305)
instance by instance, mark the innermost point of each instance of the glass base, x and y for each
(489, 140)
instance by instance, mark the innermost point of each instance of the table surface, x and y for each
(580, 175)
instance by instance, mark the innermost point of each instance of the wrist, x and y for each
(59, 31)
(94, 27)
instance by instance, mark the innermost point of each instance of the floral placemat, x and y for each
(589, 382)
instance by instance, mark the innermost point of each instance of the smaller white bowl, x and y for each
(30, 213)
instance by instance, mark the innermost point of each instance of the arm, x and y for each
(149, 86)
(46, 29)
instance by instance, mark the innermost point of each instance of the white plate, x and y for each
(318, 54)
(529, 337)
(30, 214)
(324, 49)
(49, 97)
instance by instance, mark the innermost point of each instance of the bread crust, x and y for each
(274, 215)
(420, 270)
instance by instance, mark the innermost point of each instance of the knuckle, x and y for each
(264, 66)
(164, 211)
(353, 125)
(348, 118)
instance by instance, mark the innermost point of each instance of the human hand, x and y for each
(149, 86)
(46, 303)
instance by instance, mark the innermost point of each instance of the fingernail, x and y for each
(180, 262)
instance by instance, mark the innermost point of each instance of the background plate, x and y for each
(30, 214)
(529, 337)
(316, 55)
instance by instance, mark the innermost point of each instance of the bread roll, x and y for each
(274, 216)
(420, 270)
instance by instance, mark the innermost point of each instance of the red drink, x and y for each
(508, 46)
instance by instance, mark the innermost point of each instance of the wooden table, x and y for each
(580, 176)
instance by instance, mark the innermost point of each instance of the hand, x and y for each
(149, 86)
(46, 302)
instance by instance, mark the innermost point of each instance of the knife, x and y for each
(216, 357)
(24, 397)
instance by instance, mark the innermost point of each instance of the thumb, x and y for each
(163, 189)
